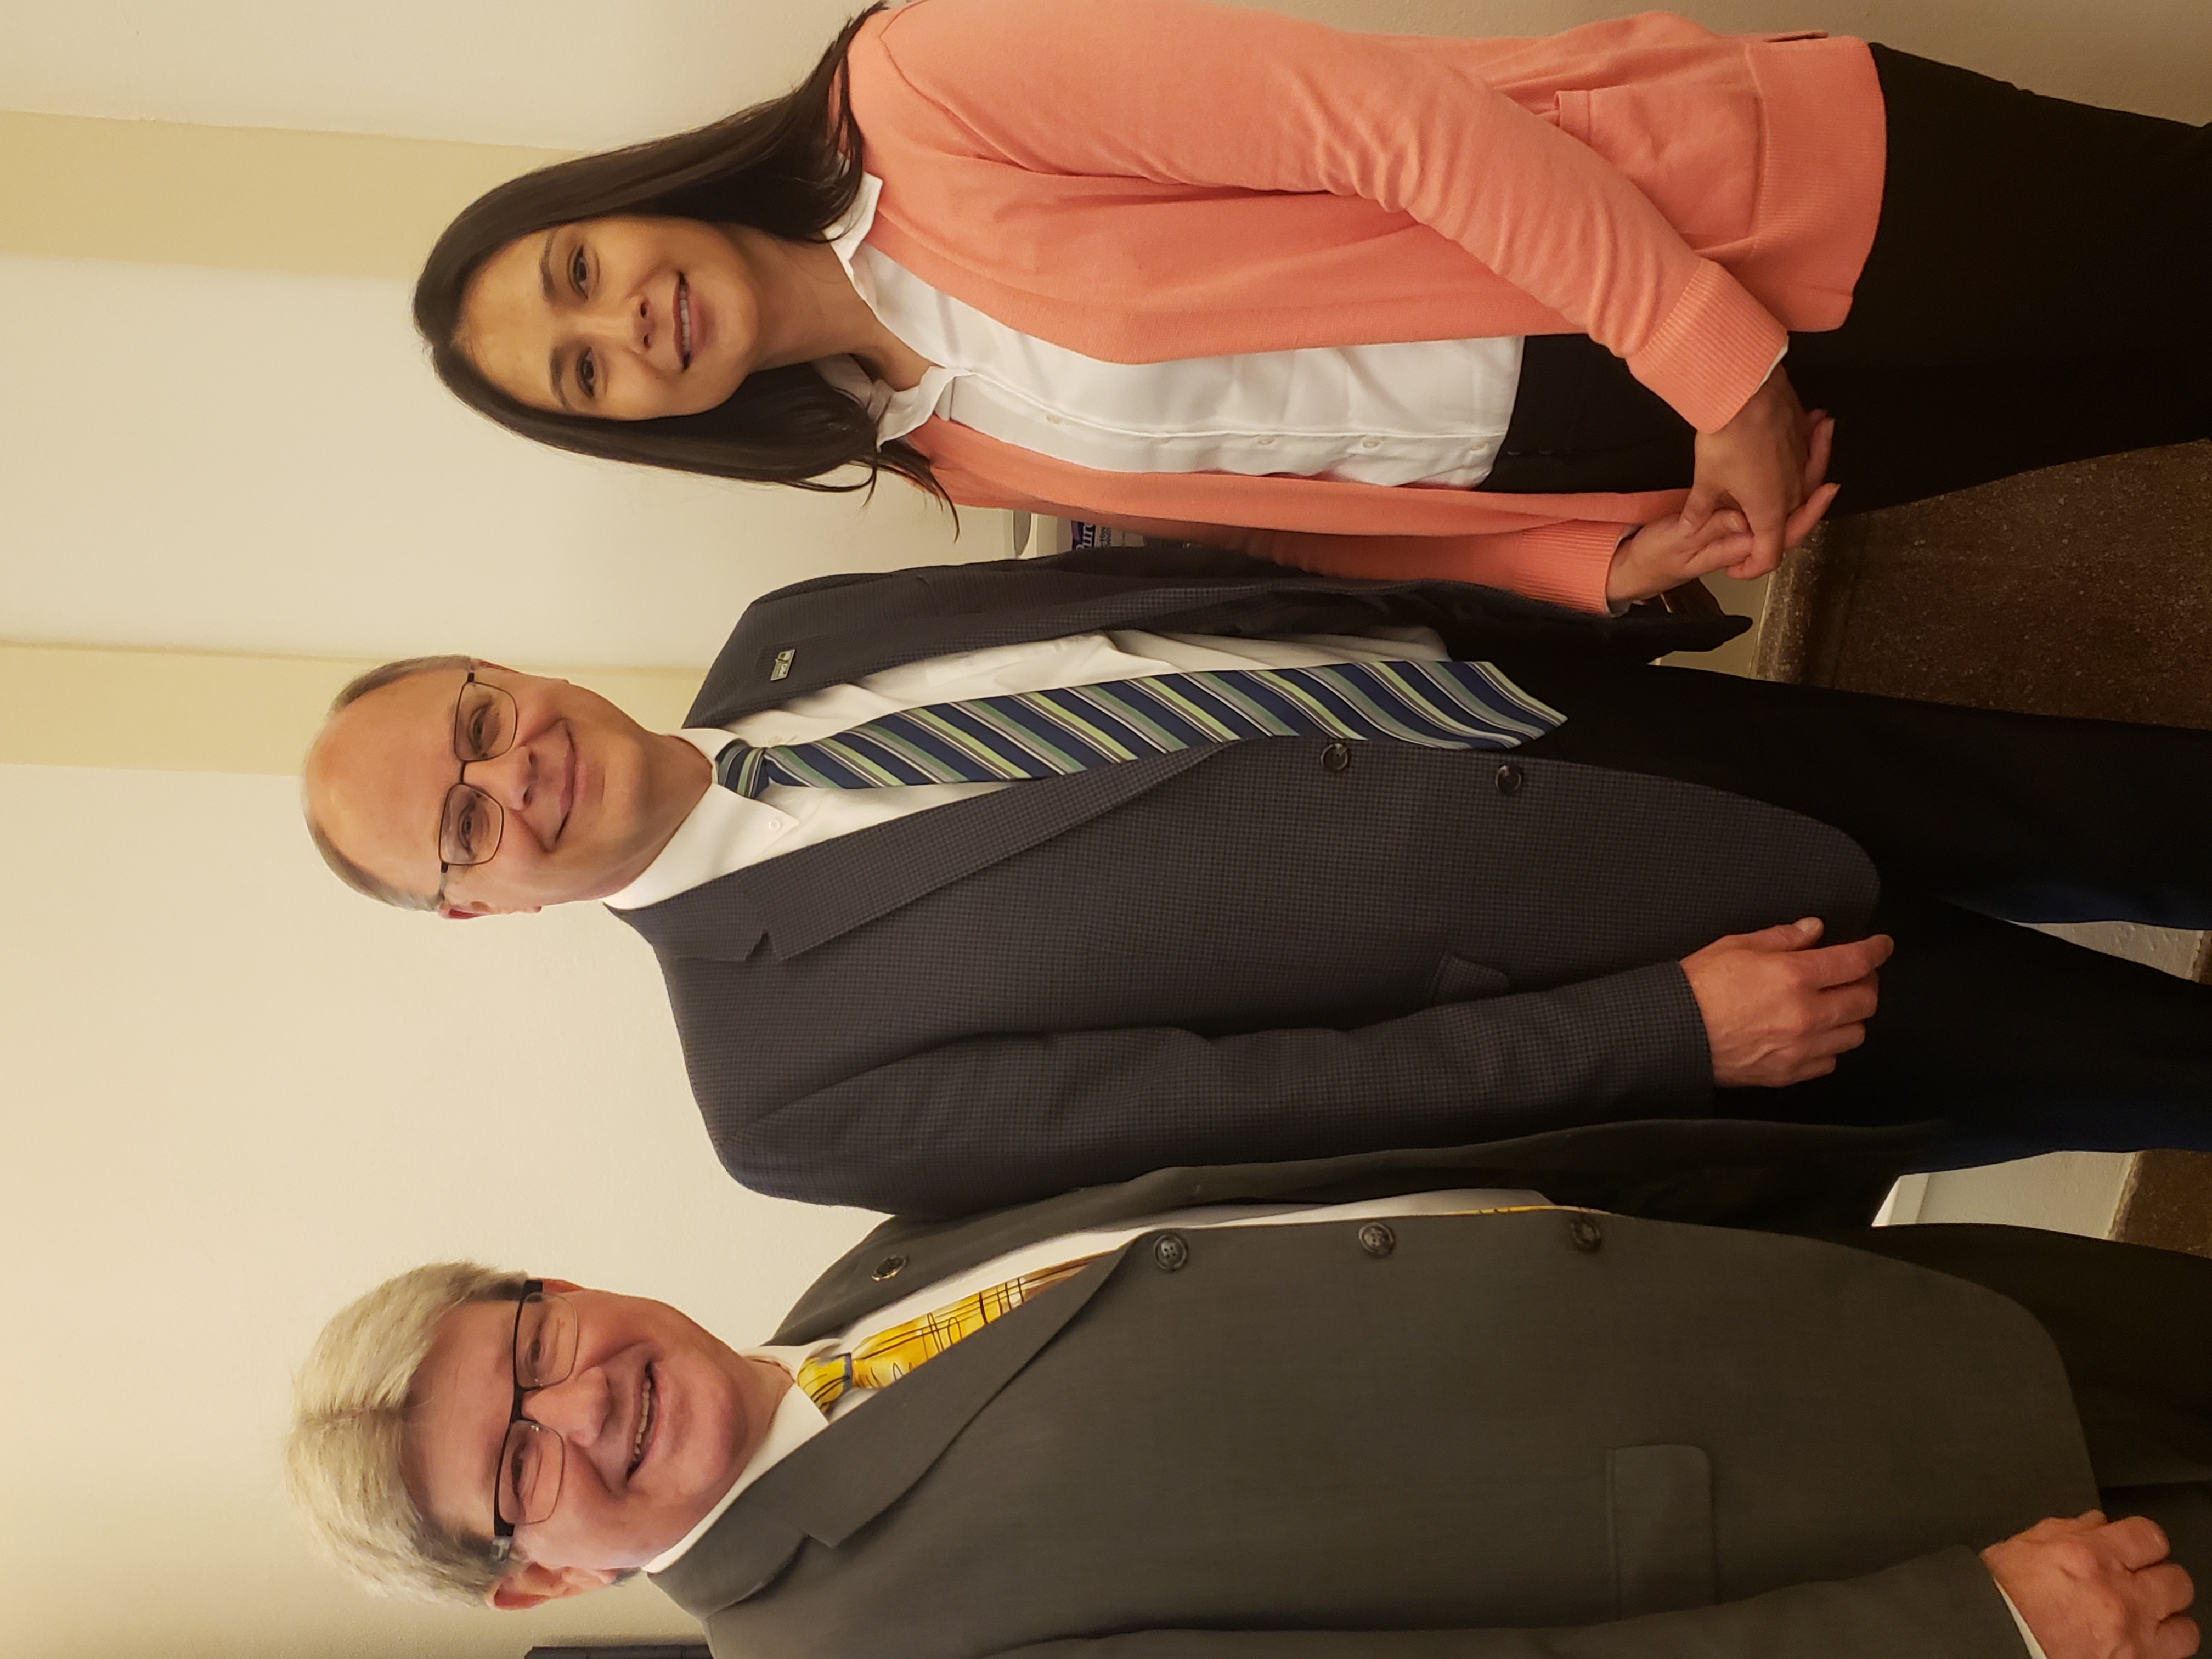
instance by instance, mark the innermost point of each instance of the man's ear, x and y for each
(527, 1584)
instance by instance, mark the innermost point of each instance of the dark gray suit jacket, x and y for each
(1506, 1437)
(1214, 954)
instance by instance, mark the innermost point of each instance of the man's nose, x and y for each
(510, 779)
(577, 1409)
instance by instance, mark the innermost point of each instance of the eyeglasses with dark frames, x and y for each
(471, 823)
(526, 1484)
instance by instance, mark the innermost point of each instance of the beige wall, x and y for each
(178, 711)
(237, 1095)
(241, 198)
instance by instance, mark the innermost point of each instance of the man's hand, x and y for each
(1766, 463)
(1776, 1011)
(2091, 1588)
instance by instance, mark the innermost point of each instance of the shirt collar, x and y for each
(851, 227)
(797, 1420)
(723, 831)
(895, 413)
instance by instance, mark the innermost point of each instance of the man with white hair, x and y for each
(1391, 1405)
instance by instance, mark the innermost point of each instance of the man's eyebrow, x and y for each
(553, 356)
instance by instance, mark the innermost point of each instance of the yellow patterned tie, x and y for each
(891, 1354)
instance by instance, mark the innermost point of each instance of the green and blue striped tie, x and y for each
(1043, 734)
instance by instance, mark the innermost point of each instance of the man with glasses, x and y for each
(1225, 1413)
(437, 809)
(975, 883)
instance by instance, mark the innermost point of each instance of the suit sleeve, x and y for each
(992, 1120)
(1944, 1604)
(1214, 96)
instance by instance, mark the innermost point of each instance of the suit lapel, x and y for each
(716, 921)
(857, 1468)
(837, 630)
(739, 1556)
(819, 893)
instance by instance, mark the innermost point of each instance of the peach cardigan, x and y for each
(1143, 180)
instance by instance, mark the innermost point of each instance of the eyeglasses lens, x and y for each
(529, 1473)
(483, 722)
(545, 1341)
(530, 1461)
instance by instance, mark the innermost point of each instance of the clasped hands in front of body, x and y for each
(1760, 488)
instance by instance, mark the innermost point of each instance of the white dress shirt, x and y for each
(726, 831)
(1421, 412)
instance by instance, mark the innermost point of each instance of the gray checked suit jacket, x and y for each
(1545, 1436)
(1213, 955)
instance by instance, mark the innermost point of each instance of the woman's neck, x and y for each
(809, 308)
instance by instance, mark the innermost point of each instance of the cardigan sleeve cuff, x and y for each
(1567, 563)
(1715, 347)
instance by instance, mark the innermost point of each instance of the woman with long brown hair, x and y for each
(1542, 314)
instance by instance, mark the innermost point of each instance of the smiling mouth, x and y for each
(683, 320)
(567, 788)
(649, 1414)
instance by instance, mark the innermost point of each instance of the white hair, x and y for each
(344, 1457)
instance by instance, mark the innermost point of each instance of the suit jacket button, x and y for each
(1585, 1232)
(1170, 1253)
(887, 1268)
(1376, 1239)
(1336, 757)
(1509, 779)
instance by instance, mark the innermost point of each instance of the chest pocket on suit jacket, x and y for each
(1458, 979)
(1659, 1501)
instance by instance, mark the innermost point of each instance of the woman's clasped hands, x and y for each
(1760, 488)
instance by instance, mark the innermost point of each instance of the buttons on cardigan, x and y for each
(1376, 1239)
(1370, 443)
(1170, 1253)
(1336, 757)
(1509, 779)
(887, 1268)
(1584, 1233)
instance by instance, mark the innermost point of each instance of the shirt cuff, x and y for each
(2026, 1636)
